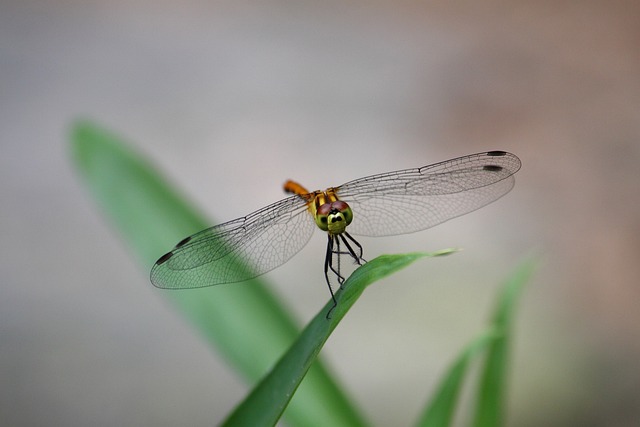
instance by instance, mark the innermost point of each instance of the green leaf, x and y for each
(441, 410)
(490, 400)
(245, 322)
(265, 404)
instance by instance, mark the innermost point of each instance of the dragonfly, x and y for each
(385, 204)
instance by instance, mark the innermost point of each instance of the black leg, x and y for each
(355, 257)
(333, 249)
(336, 251)
(328, 264)
(358, 258)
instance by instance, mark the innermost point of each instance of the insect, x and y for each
(386, 204)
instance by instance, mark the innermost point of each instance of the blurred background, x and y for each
(231, 99)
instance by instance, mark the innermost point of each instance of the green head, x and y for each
(334, 217)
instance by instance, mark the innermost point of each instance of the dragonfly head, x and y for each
(334, 217)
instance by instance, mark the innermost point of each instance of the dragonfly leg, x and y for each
(333, 250)
(336, 268)
(338, 252)
(358, 258)
(328, 265)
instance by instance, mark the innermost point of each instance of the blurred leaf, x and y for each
(490, 401)
(245, 322)
(265, 404)
(441, 410)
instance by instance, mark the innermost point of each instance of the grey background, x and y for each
(231, 99)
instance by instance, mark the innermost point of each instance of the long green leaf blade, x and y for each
(265, 404)
(246, 324)
(441, 409)
(491, 393)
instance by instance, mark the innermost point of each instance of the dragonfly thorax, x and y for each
(334, 217)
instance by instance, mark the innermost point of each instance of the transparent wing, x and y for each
(415, 199)
(237, 250)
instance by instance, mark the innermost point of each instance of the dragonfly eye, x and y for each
(334, 217)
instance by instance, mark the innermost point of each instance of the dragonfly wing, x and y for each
(237, 250)
(416, 199)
